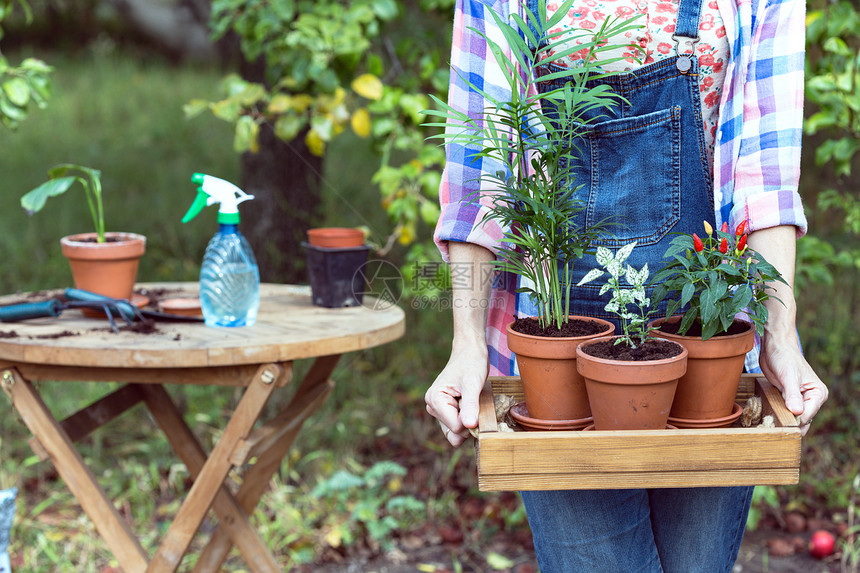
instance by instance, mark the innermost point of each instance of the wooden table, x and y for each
(72, 348)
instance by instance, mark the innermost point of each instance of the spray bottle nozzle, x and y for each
(213, 190)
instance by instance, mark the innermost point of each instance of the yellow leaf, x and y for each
(395, 484)
(368, 86)
(407, 234)
(426, 568)
(334, 537)
(360, 122)
(280, 103)
(301, 102)
(315, 143)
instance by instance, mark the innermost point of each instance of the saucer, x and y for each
(590, 427)
(723, 422)
(520, 413)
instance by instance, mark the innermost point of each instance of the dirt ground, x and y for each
(415, 554)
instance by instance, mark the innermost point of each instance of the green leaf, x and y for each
(245, 135)
(499, 562)
(429, 212)
(687, 293)
(287, 127)
(18, 91)
(34, 200)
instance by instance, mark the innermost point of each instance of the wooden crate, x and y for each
(540, 460)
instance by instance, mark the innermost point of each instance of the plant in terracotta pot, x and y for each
(532, 196)
(708, 282)
(631, 378)
(101, 262)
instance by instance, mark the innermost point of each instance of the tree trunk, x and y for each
(285, 181)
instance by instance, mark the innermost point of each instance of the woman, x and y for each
(733, 71)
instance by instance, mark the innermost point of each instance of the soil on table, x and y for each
(695, 329)
(648, 350)
(572, 328)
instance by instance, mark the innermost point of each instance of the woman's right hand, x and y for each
(453, 397)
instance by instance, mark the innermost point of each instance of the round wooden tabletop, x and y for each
(289, 327)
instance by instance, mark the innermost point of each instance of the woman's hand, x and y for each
(781, 358)
(785, 367)
(453, 397)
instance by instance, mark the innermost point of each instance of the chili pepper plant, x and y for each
(531, 192)
(713, 278)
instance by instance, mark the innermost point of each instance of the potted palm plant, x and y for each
(631, 378)
(102, 262)
(530, 138)
(712, 280)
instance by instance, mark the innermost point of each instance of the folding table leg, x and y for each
(207, 485)
(78, 477)
(253, 549)
(257, 477)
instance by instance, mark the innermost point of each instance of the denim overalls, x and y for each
(644, 164)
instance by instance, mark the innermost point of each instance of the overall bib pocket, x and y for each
(634, 184)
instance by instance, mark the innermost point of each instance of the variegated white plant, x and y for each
(633, 322)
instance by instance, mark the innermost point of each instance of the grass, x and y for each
(124, 117)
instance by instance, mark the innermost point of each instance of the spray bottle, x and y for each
(229, 276)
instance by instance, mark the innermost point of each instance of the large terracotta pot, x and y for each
(707, 391)
(108, 268)
(629, 395)
(553, 388)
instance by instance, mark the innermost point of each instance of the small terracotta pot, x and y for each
(707, 391)
(629, 395)
(335, 237)
(108, 268)
(553, 388)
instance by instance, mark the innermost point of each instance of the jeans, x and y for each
(689, 530)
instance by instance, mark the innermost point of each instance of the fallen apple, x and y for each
(821, 544)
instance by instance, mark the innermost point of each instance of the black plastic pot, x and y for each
(334, 275)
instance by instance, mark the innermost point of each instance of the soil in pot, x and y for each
(650, 350)
(631, 388)
(706, 393)
(553, 388)
(577, 327)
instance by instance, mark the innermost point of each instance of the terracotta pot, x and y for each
(108, 268)
(707, 391)
(335, 237)
(553, 388)
(629, 395)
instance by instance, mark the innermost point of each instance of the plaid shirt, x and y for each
(756, 158)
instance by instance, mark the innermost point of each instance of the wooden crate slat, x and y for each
(629, 451)
(723, 478)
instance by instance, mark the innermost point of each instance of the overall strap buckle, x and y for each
(686, 52)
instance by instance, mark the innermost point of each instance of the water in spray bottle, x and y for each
(229, 276)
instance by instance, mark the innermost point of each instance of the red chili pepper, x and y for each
(697, 243)
(724, 246)
(725, 227)
(742, 244)
(740, 230)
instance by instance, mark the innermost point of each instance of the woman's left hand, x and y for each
(781, 359)
(785, 367)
